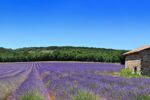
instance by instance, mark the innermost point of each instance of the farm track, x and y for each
(37, 66)
(49, 96)
(37, 85)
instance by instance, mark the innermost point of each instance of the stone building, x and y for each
(138, 60)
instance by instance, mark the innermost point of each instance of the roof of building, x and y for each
(137, 50)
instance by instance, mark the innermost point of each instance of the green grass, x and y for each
(31, 96)
(145, 97)
(128, 74)
(124, 73)
(83, 95)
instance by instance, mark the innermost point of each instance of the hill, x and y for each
(63, 53)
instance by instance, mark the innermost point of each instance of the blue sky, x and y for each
(118, 24)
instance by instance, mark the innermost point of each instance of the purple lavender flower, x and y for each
(63, 80)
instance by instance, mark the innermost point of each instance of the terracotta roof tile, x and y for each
(137, 50)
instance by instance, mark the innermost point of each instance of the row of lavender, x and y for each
(21, 81)
(11, 76)
(32, 86)
(61, 81)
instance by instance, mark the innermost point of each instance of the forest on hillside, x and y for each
(64, 53)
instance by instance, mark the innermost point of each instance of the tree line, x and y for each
(65, 53)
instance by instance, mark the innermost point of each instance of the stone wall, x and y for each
(133, 61)
(145, 62)
(140, 60)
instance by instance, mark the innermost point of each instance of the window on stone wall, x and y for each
(135, 69)
(141, 70)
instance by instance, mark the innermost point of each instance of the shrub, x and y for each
(128, 73)
(145, 97)
(31, 96)
(82, 95)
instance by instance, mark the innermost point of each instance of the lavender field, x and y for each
(64, 80)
